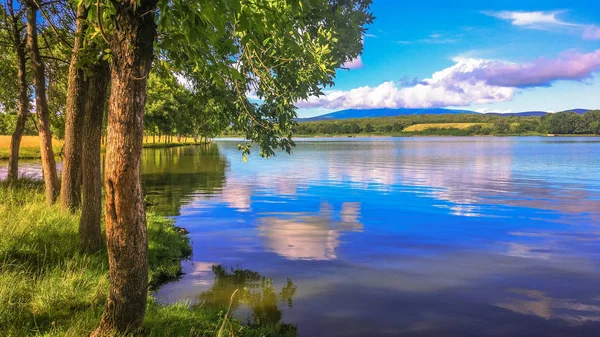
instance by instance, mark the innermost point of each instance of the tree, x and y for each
(90, 232)
(285, 50)
(502, 126)
(70, 191)
(565, 123)
(592, 120)
(13, 24)
(162, 107)
(131, 43)
(39, 82)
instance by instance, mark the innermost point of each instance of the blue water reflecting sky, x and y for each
(418, 237)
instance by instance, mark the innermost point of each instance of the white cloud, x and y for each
(353, 64)
(438, 39)
(469, 81)
(591, 33)
(499, 111)
(531, 19)
(441, 90)
(544, 21)
(432, 39)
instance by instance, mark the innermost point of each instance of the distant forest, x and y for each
(570, 123)
(562, 123)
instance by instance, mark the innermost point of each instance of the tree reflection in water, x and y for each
(172, 176)
(254, 292)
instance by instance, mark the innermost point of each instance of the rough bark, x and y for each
(90, 233)
(126, 237)
(39, 83)
(15, 141)
(70, 189)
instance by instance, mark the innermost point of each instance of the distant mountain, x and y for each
(579, 111)
(522, 114)
(356, 113)
(371, 113)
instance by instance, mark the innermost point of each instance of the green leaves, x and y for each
(276, 51)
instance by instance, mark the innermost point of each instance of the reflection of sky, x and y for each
(305, 236)
(421, 237)
(445, 236)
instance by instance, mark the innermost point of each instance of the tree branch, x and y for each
(59, 36)
(99, 18)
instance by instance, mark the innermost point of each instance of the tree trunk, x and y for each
(90, 233)
(127, 242)
(15, 141)
(70, 189)
(39, 82)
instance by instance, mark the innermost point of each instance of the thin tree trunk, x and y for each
(15, 141)
(70, 189)
(127, 242)
(39, 82)
(90, 233)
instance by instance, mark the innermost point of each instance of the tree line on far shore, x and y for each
(565, 123)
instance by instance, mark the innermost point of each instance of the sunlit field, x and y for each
(26, 141)
(461, 126)
(30, 145)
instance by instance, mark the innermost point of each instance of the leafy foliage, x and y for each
(280, 51)
(556, 123)
(572, 123)
(423, 125)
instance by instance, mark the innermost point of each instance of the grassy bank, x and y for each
(49, 288)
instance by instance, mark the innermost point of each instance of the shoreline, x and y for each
(32, 153)
(358, 136)
(46, 271)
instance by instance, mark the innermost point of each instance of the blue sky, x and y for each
(503, 56)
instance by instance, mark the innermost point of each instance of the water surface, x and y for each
(392, 237)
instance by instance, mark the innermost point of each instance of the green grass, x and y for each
(49, 288)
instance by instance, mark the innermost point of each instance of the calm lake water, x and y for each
(392, 237)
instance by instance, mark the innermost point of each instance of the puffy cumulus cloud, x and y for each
(441, 90)
(469, 81)
(541, 72)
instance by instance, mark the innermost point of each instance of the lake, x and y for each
(391, 236)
